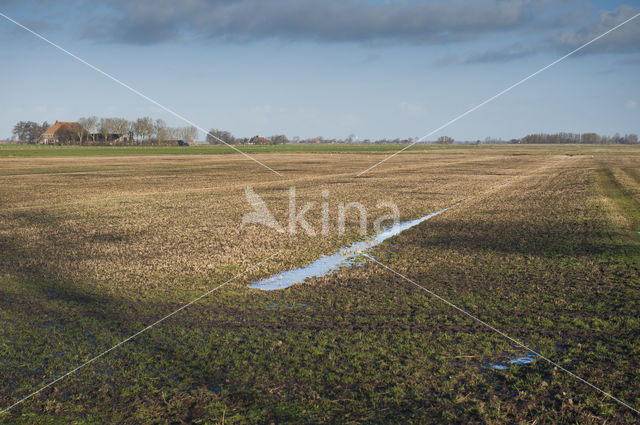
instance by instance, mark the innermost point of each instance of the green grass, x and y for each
(12, 150)
(48, 150)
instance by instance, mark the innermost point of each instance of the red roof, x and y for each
(70, 126)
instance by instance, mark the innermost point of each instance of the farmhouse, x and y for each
(61, 131)
(64, 132)
(257, 140)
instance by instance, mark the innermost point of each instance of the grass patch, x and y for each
(50, 150)
(12, 150)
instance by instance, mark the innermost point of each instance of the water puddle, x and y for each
(344, 257)
(518, 361)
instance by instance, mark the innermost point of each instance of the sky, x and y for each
(369, 69)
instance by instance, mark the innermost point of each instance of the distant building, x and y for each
(61, 131)
(257, 140)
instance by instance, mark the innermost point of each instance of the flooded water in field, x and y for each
(344, 257)
(519, 361)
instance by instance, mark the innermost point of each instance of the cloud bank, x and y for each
(154, 21)
(517, 28)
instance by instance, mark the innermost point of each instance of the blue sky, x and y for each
(328, 68)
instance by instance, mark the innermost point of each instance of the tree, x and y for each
(279, 139)
(143, 128)
(189, 133)
(106, 128)
(79, 132)
(20, 131)
(445, 140)
(130, 127)
(90, 124)
(161, 130)
(216, 137)
(120, 126)
(631, 139)
(591, 138)
(29, 131)
(37, 131)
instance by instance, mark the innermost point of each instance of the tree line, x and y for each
(147, 131)
(578, 138)
(95, 130)
(216, 136)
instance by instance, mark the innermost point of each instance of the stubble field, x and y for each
(540, 242)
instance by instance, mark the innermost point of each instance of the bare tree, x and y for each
(590, 138)
(106, 128)
(161, 130)
(79, 132)
(120, 126)
(631, 138)
(279, 139)
(444, 140)
(143, 128)
(130, 130)
(90, 124)
(216, 137)
(189, 133)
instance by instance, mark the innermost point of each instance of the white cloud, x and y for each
(631, 104)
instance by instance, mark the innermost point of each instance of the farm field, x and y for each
(540, 242)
